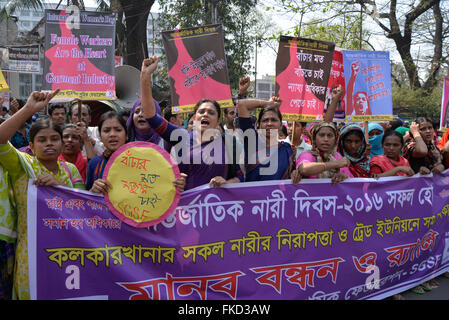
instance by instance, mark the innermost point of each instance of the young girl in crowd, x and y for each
(420, 150)
(112, 128)
(258, 160)
(391, 163)
(200, 164)
(352, 145)
(44, 167)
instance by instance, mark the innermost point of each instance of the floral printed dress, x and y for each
(7, 236)
(21, 167)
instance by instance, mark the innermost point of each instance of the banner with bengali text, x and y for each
(79, 59)
(197, 67)
(360, 239)
(24, 59)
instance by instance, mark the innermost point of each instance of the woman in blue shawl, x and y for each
(376, 133)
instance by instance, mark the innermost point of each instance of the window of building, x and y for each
(37, 82)
(29, 82)
(25, 85)
(263, 86)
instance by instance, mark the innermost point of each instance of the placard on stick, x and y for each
(302, 74)
(79, 61)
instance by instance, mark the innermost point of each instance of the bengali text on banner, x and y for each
(360, 239)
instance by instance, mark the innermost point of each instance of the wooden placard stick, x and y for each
(366, 132)
(293, 133)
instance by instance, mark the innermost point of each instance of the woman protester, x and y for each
(268, 150)
(391, 163)
(376, 133)
(420, 149)
(424, 157)
(8, 237)
(199, 161)
(352, 145)
(44, 168)
(138, 128)
(324, 161)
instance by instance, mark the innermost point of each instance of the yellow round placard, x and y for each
(141, 175)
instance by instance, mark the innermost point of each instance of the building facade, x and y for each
(265, 87)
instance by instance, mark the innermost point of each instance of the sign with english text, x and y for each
(80, 58)
(359, 239)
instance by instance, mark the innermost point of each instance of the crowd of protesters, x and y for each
(62, 149)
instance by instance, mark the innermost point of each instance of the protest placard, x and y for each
(336, 78)
(197, 67)
(302, 74)
(368, 86)
(3, 85)
(80, 61)
(142, 174)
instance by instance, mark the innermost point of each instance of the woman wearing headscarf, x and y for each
(214, 167)
(420, 149)
(139, 129)
(352, 145)
(376, 133)
(323, 161)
